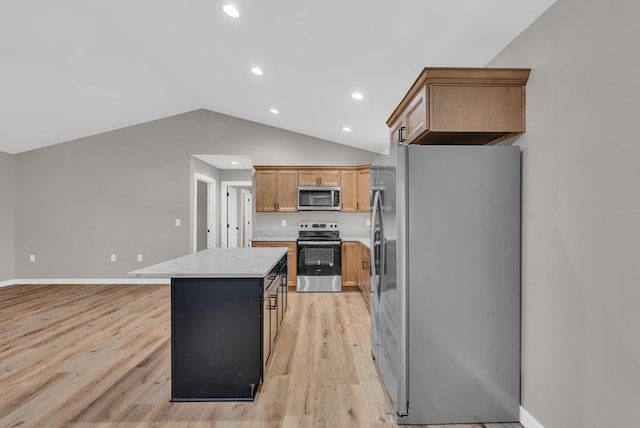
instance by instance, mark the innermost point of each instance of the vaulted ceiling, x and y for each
(74, 68)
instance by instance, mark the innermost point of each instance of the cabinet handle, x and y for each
(363, 266)
(400, 134)
(273, 305)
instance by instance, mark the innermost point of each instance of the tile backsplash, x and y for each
(270, 224)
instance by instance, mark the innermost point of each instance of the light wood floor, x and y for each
(99, 356)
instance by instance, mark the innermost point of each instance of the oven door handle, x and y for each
(324, 243)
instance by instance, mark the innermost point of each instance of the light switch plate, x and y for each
(368, 222)
(139, 257)
(32, 258)
(113, 257)
(284, 222)
(177, 222)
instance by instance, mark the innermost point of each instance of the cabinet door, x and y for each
(416, 117)
(287, 184)
(329, 177)
(350, 264)
(292, 257)
(364, 197)
(307, 177)
(365, 273)
(292, 266)
(266, 190)
(394, 132)
(349, 190)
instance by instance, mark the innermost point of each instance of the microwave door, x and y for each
(318, 199)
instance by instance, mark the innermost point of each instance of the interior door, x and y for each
(232, 217)
(246, 218)
(202, 214)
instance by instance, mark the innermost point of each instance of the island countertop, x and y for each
(217, 263)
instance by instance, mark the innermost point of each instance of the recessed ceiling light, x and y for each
(274, 111)
(357, 96)
(256, 70)
(346, 129)
(231, 11)
(234, 162)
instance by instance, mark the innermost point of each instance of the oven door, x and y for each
(319, 266)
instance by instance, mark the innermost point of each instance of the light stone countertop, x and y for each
(216, 263)
(366, 241)
(274, 238)
(361, 239)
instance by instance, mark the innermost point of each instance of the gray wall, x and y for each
(6, 217)
(581, 214)
(121, 192)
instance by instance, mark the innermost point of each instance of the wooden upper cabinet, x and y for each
(323, 177)
(364, 194)
(355, 189)
(276, 190)
(416, 117)
(266, 190)
(288, 190)
(349, 190)
(461, 106)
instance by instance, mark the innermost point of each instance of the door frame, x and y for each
(211, 214)
(223, 205)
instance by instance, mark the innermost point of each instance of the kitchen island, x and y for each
(226, 308)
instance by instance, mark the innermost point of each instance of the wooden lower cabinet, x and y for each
(365, 274)
(292, 258)
(356, 267)
(350, 264)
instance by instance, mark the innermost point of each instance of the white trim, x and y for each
(211, 215)
(91, 281)
(527, 420)
(7, 283)
(223, 207)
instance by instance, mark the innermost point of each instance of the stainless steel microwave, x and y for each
(317, 198)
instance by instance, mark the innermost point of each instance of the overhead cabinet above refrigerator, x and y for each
(461, 106)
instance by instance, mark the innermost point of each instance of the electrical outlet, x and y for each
(368, 222)
(139, 258)
(32, 258)
(177, 222)
(113, 257)
(284, 222)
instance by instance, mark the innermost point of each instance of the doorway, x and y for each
(236, 212)
(203, 221)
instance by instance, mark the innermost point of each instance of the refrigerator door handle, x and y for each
(376, 282)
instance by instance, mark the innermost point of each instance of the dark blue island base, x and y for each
(218, 330)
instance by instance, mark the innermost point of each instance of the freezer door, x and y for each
(384, 295)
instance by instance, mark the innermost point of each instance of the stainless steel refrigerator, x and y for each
(445, 286)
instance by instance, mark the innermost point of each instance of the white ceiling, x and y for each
(227, 161)
(73, 68)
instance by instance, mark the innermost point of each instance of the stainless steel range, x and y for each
(319, 257)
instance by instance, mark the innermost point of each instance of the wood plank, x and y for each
(99, 356)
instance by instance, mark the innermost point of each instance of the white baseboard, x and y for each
(90, 281)
(527, 420)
